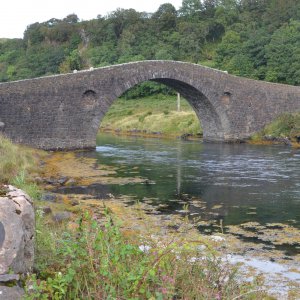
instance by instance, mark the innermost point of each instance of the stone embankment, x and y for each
(17, 228)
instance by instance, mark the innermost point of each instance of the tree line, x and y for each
(258, 39)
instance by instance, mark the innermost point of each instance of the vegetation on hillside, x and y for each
(256, 39)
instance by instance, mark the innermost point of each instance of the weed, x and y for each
(95, 261)
(21, 182)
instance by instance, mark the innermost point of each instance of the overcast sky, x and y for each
(15, 15)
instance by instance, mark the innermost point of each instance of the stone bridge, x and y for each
(65, 111)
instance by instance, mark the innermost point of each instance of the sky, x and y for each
(16, 15)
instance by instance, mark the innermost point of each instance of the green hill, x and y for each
(256, 39)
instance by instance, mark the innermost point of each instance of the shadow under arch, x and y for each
(203, 107)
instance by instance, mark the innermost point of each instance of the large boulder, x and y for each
(17, 228)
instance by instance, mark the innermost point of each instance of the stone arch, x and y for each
(212, 123)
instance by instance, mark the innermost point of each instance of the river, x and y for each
(249, 192)
(241, 182)
(219, 184)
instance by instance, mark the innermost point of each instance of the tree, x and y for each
(71, 19)
(283, 55)
(191, 9)
(165, 17)
(33, 34)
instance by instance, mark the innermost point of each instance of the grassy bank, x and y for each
(18, 166)
(155, 114)
(158, 116)
(14, 159)
(285, 128)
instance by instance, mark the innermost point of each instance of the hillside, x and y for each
(256, 39)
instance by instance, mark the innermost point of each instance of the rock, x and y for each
(38, 180)
(9, 277)
(70, 182)
(217, 238)
(185, 136)
(17, 232)
(281, 140)
(285, 141)
(61, 216)
(49, 197)
(11, 293)
(74, 202)
(46, 210)
(62, 180)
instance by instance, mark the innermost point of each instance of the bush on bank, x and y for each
(286, 125)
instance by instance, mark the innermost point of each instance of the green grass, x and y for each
(152, 114)
(17, 164)
(96, 261)
(15, 159)
(286, 125)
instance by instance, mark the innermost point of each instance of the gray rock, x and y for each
(61, 216)
(17, 233)
(49, 197)
(9, 277)
(62, 180)
(11, 293)
(74, 202)
(46, 210)
(70, 182)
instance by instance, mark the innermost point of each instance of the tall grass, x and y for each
(96, 261)
(16, 164)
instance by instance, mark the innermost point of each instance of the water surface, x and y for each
(235, 183)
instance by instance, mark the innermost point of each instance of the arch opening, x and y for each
(206, 112)
(151, 108)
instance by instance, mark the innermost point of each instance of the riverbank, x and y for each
(87, 251)
(157, 117)
(146, 224)
(145, 238)
(82, 238)
(154, 116)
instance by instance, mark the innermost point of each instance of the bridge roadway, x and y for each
(65, 111)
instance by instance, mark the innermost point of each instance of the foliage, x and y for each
(95, 261)
(286, 125)
(256, 39)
